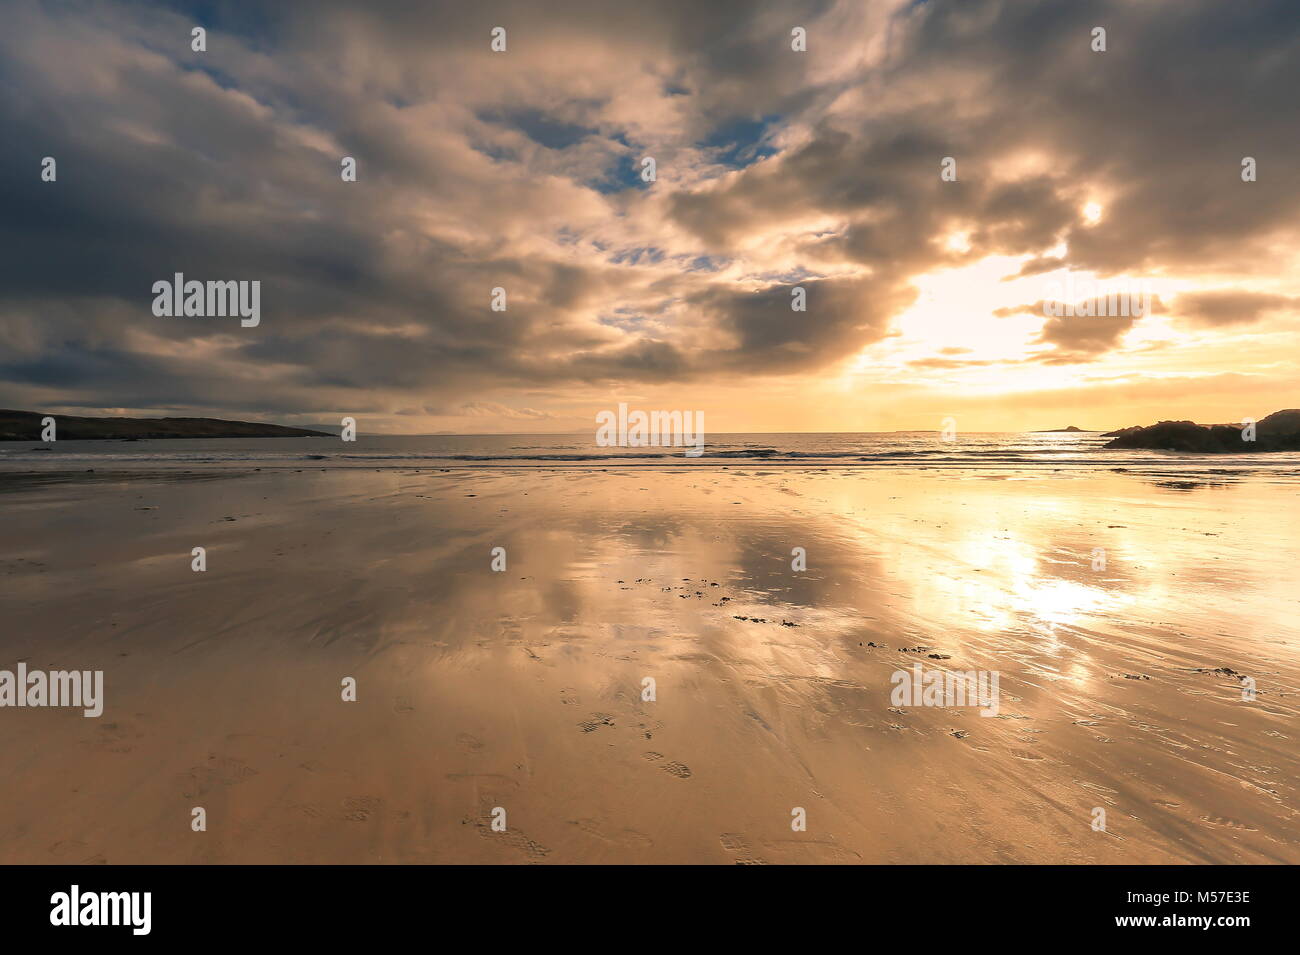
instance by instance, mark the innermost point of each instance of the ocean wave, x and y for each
(1005, 452)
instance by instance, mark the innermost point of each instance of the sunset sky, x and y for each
(775, 168)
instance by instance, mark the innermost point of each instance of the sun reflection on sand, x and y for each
(528, 685)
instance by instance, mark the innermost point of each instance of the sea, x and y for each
(1005, 452)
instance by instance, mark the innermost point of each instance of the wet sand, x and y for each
(522, 689)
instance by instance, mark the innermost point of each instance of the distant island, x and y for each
(1279, 431)
(1061, 430)
(26, 426)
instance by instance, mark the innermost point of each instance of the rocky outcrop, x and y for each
(1280, 431)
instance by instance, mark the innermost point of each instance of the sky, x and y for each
(1074, 171)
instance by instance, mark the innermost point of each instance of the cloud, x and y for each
(944, 364)
(480, 409)
(521, 171)
(1085, 330)
(1079, 338)
(1218, 307)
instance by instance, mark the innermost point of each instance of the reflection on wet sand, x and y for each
(1109, 606)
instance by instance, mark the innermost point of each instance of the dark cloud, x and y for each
(1085, 330)
(521, 170)
(1078, 338)
(1230, 306)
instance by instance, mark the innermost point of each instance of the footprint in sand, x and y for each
(360, 808)
(219, 771)
(734, 842)
(1219, 822)
(672, 767)
(626, 838)
(469, 744)
(402, 705)
(1024, 754)
(596, 722)
(826, 848)
(516, 840)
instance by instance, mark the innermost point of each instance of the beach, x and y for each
(523, 689)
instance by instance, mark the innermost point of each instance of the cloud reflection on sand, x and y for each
(482, 689)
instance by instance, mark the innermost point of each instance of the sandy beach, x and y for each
(522, 689)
